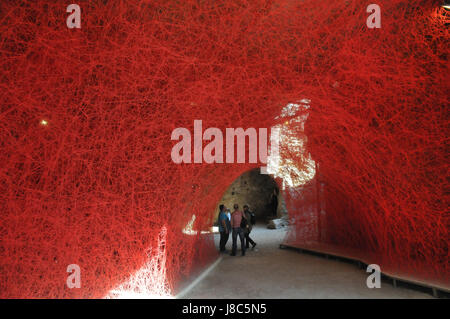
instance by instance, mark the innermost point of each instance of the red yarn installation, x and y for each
(95, 185)
(379, 133)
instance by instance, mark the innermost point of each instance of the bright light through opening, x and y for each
(189, 228)
(285, 168)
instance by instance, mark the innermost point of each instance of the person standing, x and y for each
(274, 203)
(236, 219)
(224, 227)
(248, 214)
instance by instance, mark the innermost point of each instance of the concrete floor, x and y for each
(270, 272)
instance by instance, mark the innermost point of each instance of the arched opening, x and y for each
(260, 192)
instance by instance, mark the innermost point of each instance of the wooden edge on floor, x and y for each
(395, 278)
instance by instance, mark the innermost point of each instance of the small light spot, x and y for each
(44, 122)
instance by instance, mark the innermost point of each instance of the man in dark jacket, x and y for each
(224, 227)
(248, 215)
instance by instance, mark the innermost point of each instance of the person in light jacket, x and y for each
(236, 218)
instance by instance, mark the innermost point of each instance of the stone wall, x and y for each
(254, 189)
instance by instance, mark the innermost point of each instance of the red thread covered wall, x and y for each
(95, 185)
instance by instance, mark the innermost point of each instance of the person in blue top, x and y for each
(224, 227)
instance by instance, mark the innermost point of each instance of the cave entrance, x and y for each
(260, 192)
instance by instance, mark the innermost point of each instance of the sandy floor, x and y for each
(270, 272)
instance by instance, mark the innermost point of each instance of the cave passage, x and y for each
(259, 191)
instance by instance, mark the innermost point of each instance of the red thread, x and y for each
(96, 185)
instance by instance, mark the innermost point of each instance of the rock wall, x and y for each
(254, 189)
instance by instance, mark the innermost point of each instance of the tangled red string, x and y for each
(87, 114)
